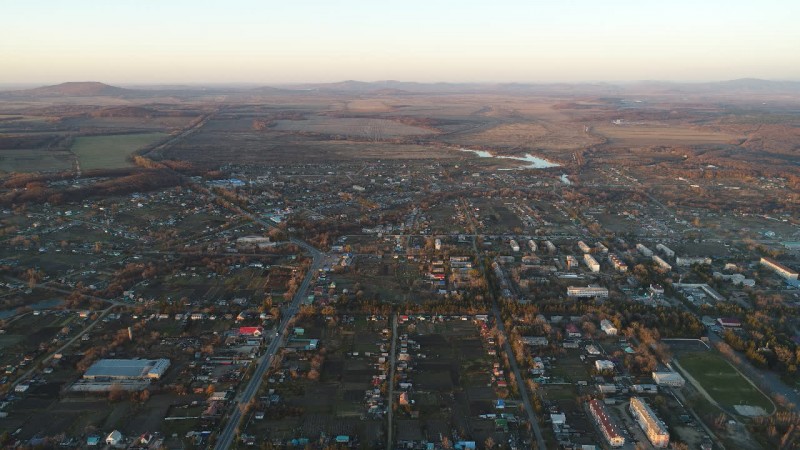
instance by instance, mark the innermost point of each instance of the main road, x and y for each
(228, 433)
(512, 359)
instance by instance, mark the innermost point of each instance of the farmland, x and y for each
(112, 151)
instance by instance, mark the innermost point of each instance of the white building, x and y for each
(686, 261)
(584, 248)
(437, 244)
(551, 248)
(608, 327)
(588, 291)
(114, 438)
(591, 263)
(779, 268)
(617, 263)
(514, 245)
(661, 263)
(644, 250)
(672, 379)
(603, 364)
(532, 245)
(653, 427)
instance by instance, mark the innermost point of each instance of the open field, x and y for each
(722, 381)
(108, 152)
(369, 128)
(663, 135)
(32, 160)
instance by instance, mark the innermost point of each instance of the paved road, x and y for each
(228, 433)
(392, 357)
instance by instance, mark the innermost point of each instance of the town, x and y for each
(276, 275)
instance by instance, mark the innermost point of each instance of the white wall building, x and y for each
(608, 327)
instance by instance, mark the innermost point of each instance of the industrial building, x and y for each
(653, 427)
(127, 369)
(779, 268)
(661, 263)
(588, 291)
(644, 250)
(605, 423)
(591, 263)
(672, 379)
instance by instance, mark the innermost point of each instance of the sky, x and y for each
(297, 41)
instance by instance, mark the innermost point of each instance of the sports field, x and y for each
(722, 382)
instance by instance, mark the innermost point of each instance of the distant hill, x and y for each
(74, 89)
(389, 87)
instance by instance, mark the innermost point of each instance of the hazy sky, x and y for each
(195, 41)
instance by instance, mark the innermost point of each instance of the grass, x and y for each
(34, 160)
(108, 152)
(725, 385)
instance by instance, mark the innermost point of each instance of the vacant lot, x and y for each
(108, 152)
(646, 135)
(722, 381)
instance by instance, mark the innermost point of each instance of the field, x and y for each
(108, 152)
(368, 128)
(722, 382)
(663, 135)
(31, 160)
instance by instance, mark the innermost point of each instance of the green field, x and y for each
(108, 152)
(722, 382)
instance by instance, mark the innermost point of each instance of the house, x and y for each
(114, 438)
(251, 331)
(572, 331)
